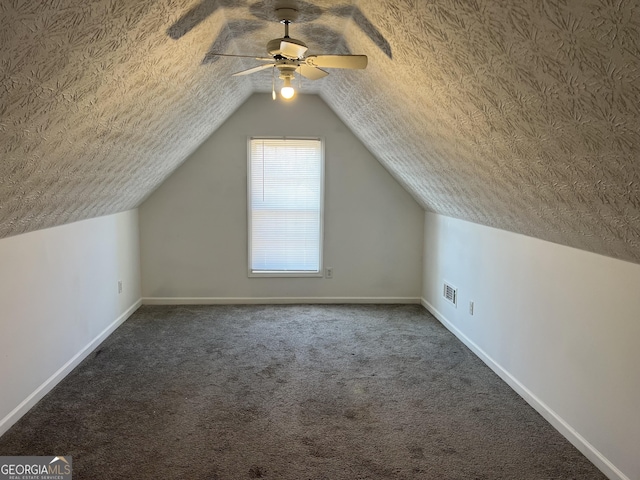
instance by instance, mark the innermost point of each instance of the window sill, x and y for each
(276, 274)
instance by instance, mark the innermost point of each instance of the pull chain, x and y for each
(273, 82)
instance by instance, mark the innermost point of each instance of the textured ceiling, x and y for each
(523, 116)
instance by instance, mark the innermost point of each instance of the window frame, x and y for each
(283, 273)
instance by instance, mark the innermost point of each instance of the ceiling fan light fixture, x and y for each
(287, 91)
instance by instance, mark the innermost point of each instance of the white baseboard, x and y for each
(578, 441)
(8, 421)
(273, 300)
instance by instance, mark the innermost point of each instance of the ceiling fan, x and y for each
(288, 56)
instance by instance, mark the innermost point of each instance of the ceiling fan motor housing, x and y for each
(273, 47)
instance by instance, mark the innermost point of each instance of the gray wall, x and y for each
(193, 228)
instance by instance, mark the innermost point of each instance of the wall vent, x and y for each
(450, 293)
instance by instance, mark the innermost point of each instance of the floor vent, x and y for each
(450, 293)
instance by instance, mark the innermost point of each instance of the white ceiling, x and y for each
(518, 115)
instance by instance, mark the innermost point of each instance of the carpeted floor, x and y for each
(291, 392)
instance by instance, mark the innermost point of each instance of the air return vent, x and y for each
(450, 293)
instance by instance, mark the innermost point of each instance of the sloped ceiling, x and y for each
(523, 116)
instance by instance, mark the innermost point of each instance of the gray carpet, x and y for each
(291, 392)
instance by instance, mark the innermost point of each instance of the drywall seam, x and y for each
(578, 441)
(274, 300)
(38, 394)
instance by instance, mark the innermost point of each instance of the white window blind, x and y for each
(285, 205)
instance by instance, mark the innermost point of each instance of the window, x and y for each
(285, 197)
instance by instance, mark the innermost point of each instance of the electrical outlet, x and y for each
(329, 272)
(470, 308)
(119, 286)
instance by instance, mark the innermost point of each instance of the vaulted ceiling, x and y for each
(523, 116)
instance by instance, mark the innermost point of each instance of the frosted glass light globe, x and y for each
(287, 92)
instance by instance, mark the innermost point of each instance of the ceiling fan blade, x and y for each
(312, 73)
(254, 69)
(292, 50)
(262, 59)
(337, 61)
